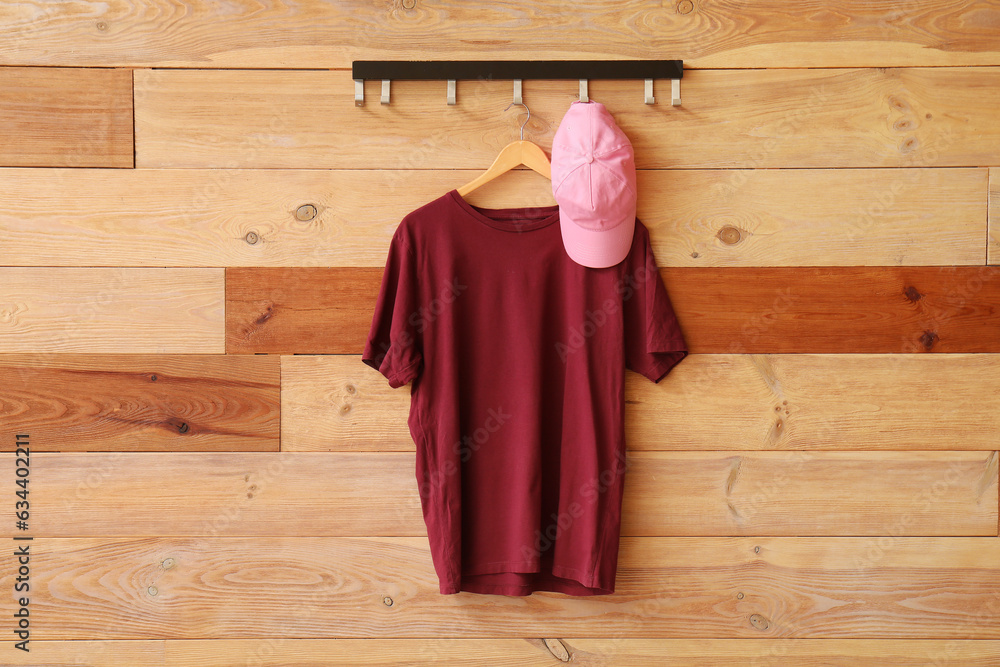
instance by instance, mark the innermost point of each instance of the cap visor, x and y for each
(597, 249)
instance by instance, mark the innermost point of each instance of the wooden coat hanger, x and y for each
(513, 155)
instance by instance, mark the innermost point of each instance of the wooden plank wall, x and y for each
(193, 217)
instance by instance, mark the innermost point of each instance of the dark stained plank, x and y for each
(838, 309)
(736, 310)
(71, 117)
(131, 402)
(299, 310)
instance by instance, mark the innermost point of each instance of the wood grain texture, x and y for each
(375, 494)
(667, 587)
(128, 402)
(762, 217)
(780, 402)
(316, 34)
(109, 310)
(775, 118)
(589, 651)
(94, 653)
(280, 651)
(299, 310)
(65, 117)
(734, 310)
(993, 222)
(838, 309)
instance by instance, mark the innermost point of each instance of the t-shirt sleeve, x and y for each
(654, 343)
(394, 345)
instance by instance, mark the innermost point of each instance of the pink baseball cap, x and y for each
(593, 181)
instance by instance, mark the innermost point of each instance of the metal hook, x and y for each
(526, 119)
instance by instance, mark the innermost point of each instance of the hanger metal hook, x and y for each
(526, 119)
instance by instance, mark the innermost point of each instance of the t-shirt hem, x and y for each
(558, 579)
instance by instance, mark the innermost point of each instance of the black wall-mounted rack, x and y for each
(516, 70)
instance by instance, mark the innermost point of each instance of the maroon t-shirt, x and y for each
(517, 358)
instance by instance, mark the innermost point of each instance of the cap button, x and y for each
(590, 157)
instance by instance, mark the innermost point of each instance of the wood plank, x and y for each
(72, 117)
(71, 402)
(667, 587)
(814, 217)
(375, 493)
(107, 310)
(739, 310)
(907, 117)
(281, 651)
(316, 34)
(94, 653)
(838, 309)
(780, 402)
(762, 217)
(993, 222)
(299, 310)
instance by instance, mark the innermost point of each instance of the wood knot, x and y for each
(759, 622)
(305, 212)
(912, 294)
(266, 315)
(927, 339)
(557, 649)
(729, 235)
(898, 103)
(685, 7)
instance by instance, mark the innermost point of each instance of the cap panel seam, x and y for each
(618, 176)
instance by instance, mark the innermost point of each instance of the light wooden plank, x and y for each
(281, 651)
(814, 217)
(72, 117)
(107, 310)
(682, 587)
(993, 222)
(760, 310)
(246, 217)
(780, 402)
(93, 653)
(767, 118)
(316, 34)
(811, 493)
(375, 493)
(70, 402)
